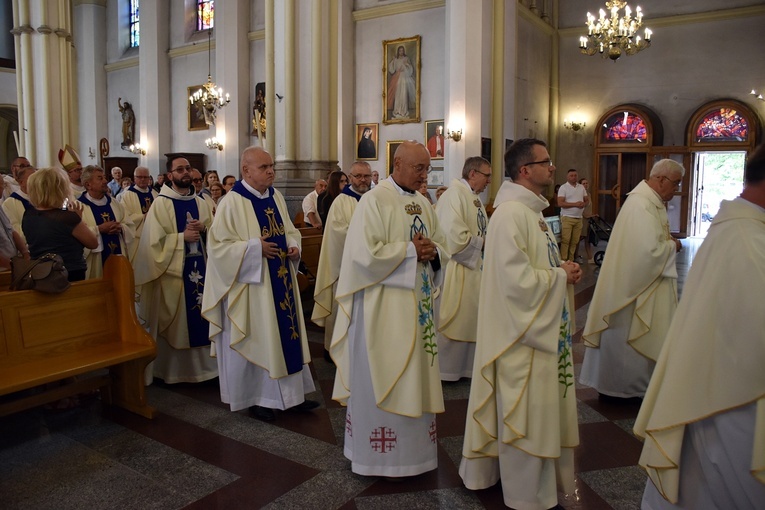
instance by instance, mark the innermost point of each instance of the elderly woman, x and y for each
(217, 191)
(55, 223)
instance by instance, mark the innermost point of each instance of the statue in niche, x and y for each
(259, 112)
(128, 123)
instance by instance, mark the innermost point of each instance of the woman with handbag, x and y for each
(55, 224)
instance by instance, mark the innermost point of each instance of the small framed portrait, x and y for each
(366, 141)
(392, 146)
(196, 116)
(436, 177)
(401, 80)
(434, 138)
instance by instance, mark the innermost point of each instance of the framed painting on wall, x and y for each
(436, 177)
(366, 141)
(401, 80)
(392, 146)
(434, 136)
(196, 116)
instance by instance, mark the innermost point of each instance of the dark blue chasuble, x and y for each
(285, 305)
(194, 272)
(104, 213)
(24, 201)
(145, 199)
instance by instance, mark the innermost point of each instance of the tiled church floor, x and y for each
(197, 454)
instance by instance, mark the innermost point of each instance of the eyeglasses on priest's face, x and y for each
(675, 183)
(546, 162)
(422, 168)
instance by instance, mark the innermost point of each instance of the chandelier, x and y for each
(209, 99)
(611, 37)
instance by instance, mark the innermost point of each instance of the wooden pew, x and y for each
(5, 280)
(57, 338)
(311, 247)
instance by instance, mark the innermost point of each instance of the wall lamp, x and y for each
(574, 125)
(756, 95)
(137, 149)
(454, 134)
(213, 143)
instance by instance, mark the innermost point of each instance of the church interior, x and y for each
(305, 79)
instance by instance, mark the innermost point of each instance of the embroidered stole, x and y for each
(104, 213)
(24, 201)
(194, 272)
(145, 199)
(280, 271)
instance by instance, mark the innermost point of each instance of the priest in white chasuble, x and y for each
(384, 342)
(136, 200)
(332, 244)
(521, 420)
(171, 275)
(636, 293)
(252, 299)
(108, 220)
(18, 200)
(464, 221)
(703, 416)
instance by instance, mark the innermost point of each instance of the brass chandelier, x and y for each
(210, 97)
(615, 35)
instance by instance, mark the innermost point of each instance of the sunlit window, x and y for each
(205, 14)
(134, 27)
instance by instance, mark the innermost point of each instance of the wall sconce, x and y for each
(756, 95)
(213, 143)
(454, 134)
(137, 149)
(574, 125)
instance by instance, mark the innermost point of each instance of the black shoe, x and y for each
(263, 413)
(306, 405)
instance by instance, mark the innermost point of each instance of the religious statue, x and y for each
(128, 123)
(259, 112)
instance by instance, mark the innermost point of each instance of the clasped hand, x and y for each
(110, 227)
(192, 232)
(271, 250)
(573, 271)
(425, 248)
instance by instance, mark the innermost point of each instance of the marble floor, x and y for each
(197, 454)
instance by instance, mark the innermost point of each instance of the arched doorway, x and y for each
(720, 136)
(9, 124)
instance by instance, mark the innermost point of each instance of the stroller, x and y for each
(599, 229)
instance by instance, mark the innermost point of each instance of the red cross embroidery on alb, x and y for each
(383, 440)
(432, 432)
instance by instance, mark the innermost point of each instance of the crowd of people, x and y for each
(412, 293)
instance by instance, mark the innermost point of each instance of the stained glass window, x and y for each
(722, 125)
(134, 27)
(205, 14)
(624, 127)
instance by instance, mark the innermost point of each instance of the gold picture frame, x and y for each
(432, 138)
(401, 80)
(367, 146)
(195, 116)
(391, 151)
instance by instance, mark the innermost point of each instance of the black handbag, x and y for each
(44, 274)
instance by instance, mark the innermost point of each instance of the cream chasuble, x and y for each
(713, 358)
(14, 207)
(332, 243)
(125, 239)
(136, 206)
(384, 339)
(464, 220)
(522, 394)
(159, 265)
(634, 300)
(250, 302)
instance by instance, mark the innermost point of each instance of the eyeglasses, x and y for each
(675, 184)
(182, 169)
(546, 162)
(485, 175)
(422, 168)
(364, 177)
(196, 180)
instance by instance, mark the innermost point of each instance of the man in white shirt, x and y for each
(115, 185)
(310, 212)
(572, 199)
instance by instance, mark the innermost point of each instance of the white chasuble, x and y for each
(384, 342)
(159, 275)
(634, 299)
(108, 209)
(465, 222)
(136, 204)
(709, 379)
(522, 408)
